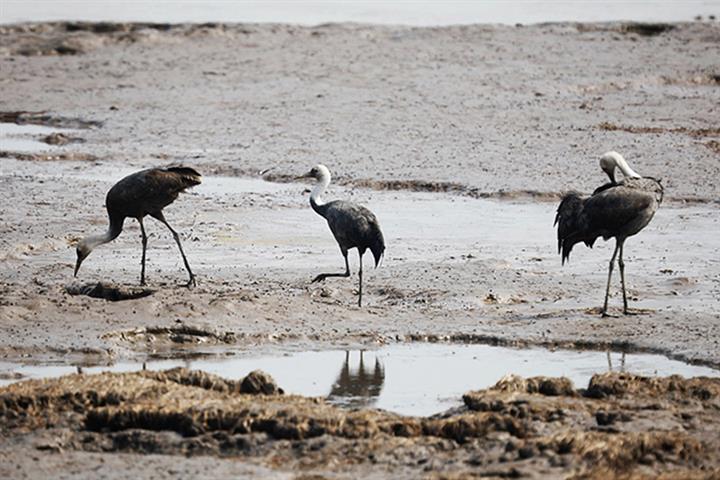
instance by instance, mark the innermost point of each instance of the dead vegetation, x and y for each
(621, 425)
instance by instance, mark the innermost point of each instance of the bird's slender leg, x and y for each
(144, 245)
(160, 217)
(323, 276)
(360, 288)
(609, 361)
(607, 290)
(621, 264)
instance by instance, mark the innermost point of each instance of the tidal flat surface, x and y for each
(460, 138)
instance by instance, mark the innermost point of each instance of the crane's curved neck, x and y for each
(316, 201)
(625, 168)
(92, 241)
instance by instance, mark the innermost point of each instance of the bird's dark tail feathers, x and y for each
(569, 221)
(188, 176)
(377, 247)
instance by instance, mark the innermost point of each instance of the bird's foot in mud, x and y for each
(319, 278)
(605, 314)
(638, 311)
(192, 282)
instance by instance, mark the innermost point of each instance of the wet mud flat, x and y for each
(256, 245)
(461, 139)
(620, 425)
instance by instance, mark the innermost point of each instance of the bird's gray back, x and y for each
(145, 192)
(624, 209)
(352, 225)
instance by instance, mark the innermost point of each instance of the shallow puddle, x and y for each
(24, 138)
(410, 379)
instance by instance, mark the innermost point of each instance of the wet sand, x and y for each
(461, 139)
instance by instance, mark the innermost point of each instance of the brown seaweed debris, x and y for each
(638, 427)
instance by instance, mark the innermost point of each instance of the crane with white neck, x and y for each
(615, 210)
(352, 225)
(140, 194)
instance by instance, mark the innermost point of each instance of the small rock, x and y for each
(258, 382)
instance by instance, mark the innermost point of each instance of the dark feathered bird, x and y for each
(143, 193)
(616, 209)
(353, 226)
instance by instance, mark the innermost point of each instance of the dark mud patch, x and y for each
(175, 335)
(647, 29)
(60, 139)
(541, 424)
(643, 29)
(699, 78)
(713, 145)
(47, 120)
(112, 27)
(49, 157)
(693, 132)
(111, 293)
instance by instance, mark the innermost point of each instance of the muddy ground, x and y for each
(461, 139)
(620, 425)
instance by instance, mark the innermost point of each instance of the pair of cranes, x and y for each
(618, 209)
(148, 192)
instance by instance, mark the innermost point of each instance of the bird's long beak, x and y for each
(306, 175)
(77, 265)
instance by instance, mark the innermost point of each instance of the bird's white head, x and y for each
(82, 251)
(320, 173)
(612, 160)
(88, 244)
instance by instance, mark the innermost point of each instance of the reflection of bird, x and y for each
(622, 362)
(143, 193)
(616, 209)
(361, 387)
(353, 226)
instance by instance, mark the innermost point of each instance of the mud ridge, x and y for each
(581, 345)
(463, 190)
(49, 157)
(47, 120)
(693, 132)
(620, 425)
(179, 334)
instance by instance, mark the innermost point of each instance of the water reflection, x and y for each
(358, 387)
(621, 367)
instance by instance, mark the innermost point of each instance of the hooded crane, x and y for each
(142, 193)
(353, 226)
(616, 209)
